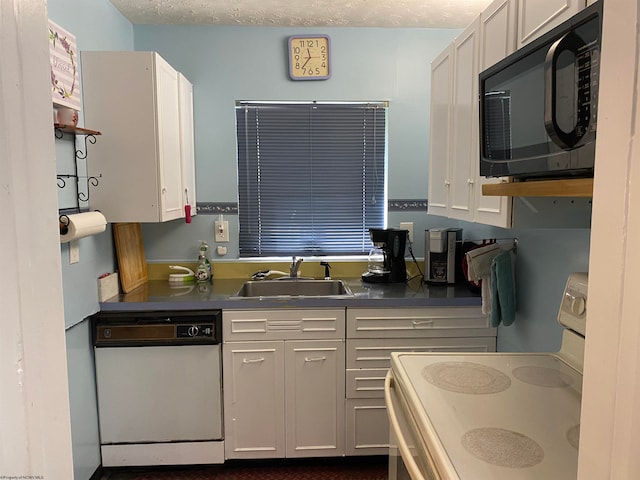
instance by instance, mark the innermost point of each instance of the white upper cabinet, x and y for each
(497, 32)
(455, 184)
(134, 97)
(536, 17)
(464, 127)
(454, 181)
(440, 121)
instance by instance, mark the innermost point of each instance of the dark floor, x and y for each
(351, 468)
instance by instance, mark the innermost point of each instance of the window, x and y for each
(311, 177)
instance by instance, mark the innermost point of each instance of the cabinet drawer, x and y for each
(418, 322)
(241, 325)
(365, 383)
(376, 353)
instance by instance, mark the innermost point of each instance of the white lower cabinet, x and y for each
(284, 397)
(254, 399)
(314, 398)
(292, 388)
(372, 334)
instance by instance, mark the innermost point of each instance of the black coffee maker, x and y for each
(390, 268)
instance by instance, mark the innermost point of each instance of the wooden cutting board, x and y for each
(132, 264)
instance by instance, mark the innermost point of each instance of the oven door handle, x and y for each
(405, 452)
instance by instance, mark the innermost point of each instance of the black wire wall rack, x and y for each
(89, 137)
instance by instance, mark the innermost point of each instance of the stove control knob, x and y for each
(193, 331)
(577, 304)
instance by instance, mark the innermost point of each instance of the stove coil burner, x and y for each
(466, 377)
(504, 448)
(542, 377)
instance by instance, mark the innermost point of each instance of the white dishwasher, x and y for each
(158, 377)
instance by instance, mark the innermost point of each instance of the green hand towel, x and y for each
(503, 298)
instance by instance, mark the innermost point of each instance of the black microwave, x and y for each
(538, 106)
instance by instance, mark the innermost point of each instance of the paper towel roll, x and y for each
(82, 225)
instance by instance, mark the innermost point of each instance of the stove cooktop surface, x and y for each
(494, 415)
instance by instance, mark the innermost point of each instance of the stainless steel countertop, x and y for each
(159, 295)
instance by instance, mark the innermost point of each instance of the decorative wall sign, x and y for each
(63, 54)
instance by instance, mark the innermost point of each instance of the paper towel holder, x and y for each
(63, 219)
(64, 224)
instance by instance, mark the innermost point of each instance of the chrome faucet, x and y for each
(294, 267)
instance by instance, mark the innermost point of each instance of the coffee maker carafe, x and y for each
(441, 254)
(391, 268)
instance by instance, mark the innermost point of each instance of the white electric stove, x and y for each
(477, 416)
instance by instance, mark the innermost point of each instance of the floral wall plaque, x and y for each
(63, 53)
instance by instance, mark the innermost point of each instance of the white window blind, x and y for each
(311, 177)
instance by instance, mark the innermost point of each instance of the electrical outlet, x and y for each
(407, 226)
(74, 251)
(222, 231)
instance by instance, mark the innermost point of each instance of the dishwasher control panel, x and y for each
(156, 328)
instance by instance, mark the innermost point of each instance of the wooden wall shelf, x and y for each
(571, 187)
(75, 130)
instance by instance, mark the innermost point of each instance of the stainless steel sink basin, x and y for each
(293, 288)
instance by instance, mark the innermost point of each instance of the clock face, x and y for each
(309, 57)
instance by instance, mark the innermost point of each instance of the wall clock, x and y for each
(309, 57)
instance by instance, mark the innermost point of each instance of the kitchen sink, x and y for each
(293, 288)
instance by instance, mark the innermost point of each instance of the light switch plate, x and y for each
(222, 231)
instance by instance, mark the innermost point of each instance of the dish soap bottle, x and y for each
(204, 272)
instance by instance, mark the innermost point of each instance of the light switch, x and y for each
(222, 231)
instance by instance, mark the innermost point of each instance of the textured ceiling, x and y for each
(304, 13)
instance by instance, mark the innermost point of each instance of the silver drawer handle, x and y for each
(253, 360)
(422, 322)
(315, 359)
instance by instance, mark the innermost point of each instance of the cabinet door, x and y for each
(132, 98)
(315, 398)
(367, 427)
(254, 400)
(536, 17)
(187, 155)
(169, 149)
(464, 127)
(497, 40)
(440, 117)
